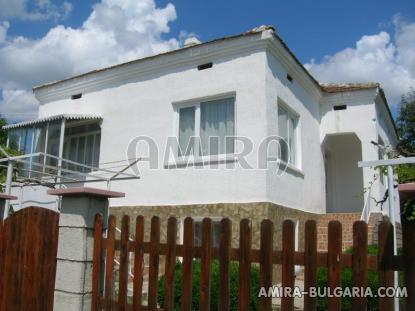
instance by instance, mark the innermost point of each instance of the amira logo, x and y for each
(271, 153)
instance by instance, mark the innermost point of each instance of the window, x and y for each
(287, 130)
(215, 233)
(213, 122)
(82, 144)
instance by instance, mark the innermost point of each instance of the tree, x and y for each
(3, 133)
(405, 124)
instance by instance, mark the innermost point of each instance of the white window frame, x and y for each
(198, 158)
(297, 133)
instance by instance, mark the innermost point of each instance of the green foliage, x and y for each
(406, 123)
(405, 172)
(3, 133)
(3, 170)
(346, 277)
(234, 286)
(347, 281)
(408, 209)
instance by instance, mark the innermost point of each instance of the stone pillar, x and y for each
(79, 206)
(3, 198)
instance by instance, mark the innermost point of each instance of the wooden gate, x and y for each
(104, 296)
(28, 247)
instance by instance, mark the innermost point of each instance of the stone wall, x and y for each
(256, 212)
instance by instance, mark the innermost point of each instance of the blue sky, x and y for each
(339, 41)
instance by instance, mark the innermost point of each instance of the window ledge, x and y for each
(201, 161)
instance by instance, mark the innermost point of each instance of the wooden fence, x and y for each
(266, 257)
(28, 248)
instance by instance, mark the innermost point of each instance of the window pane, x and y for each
(198, 234)
(186, 130)
(215, 233)
(283, 133)
(95, 154)
(81, 152)
(53, 143)
(89, 149)
(217, 123)
(39, 137)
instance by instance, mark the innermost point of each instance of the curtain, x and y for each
(217, 126)
(283, 133)
(186, 130)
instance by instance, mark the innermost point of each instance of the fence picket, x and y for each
(205, 262)
(170, 263)
(334, 260)
(188, 237)
(109, 264)
(224, 264)
(267, 233)
(359, 263)
(123, 280)
(96, 263)
(245, 244)
(2, 274)
(138, 263)
(385, 258)
(287, 263)
(310, 264)
(153, 263)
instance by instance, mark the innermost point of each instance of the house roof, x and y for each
(251, 32)
(327, 88)
(53, 118)
(347, 87)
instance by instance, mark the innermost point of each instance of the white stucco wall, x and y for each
(300, 187)
(145, 107)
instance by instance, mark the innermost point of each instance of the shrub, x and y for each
(234, 286)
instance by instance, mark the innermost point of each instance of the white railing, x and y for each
(367, 208)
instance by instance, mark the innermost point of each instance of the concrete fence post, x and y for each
(73, 286)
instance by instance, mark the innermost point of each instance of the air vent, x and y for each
(340, 107)
(289, 78)
(76, 96)
(205, 66)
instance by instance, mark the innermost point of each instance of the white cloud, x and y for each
(39, 10)
(116, 31)
(3, 31)
(382, 58)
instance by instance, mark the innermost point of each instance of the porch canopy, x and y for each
(74, 137)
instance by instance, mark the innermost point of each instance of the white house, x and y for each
(249, 85)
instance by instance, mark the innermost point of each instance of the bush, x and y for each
(234, 286)
(346, 278)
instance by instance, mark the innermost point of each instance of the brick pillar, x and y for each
(3, 198)
(75, 246)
